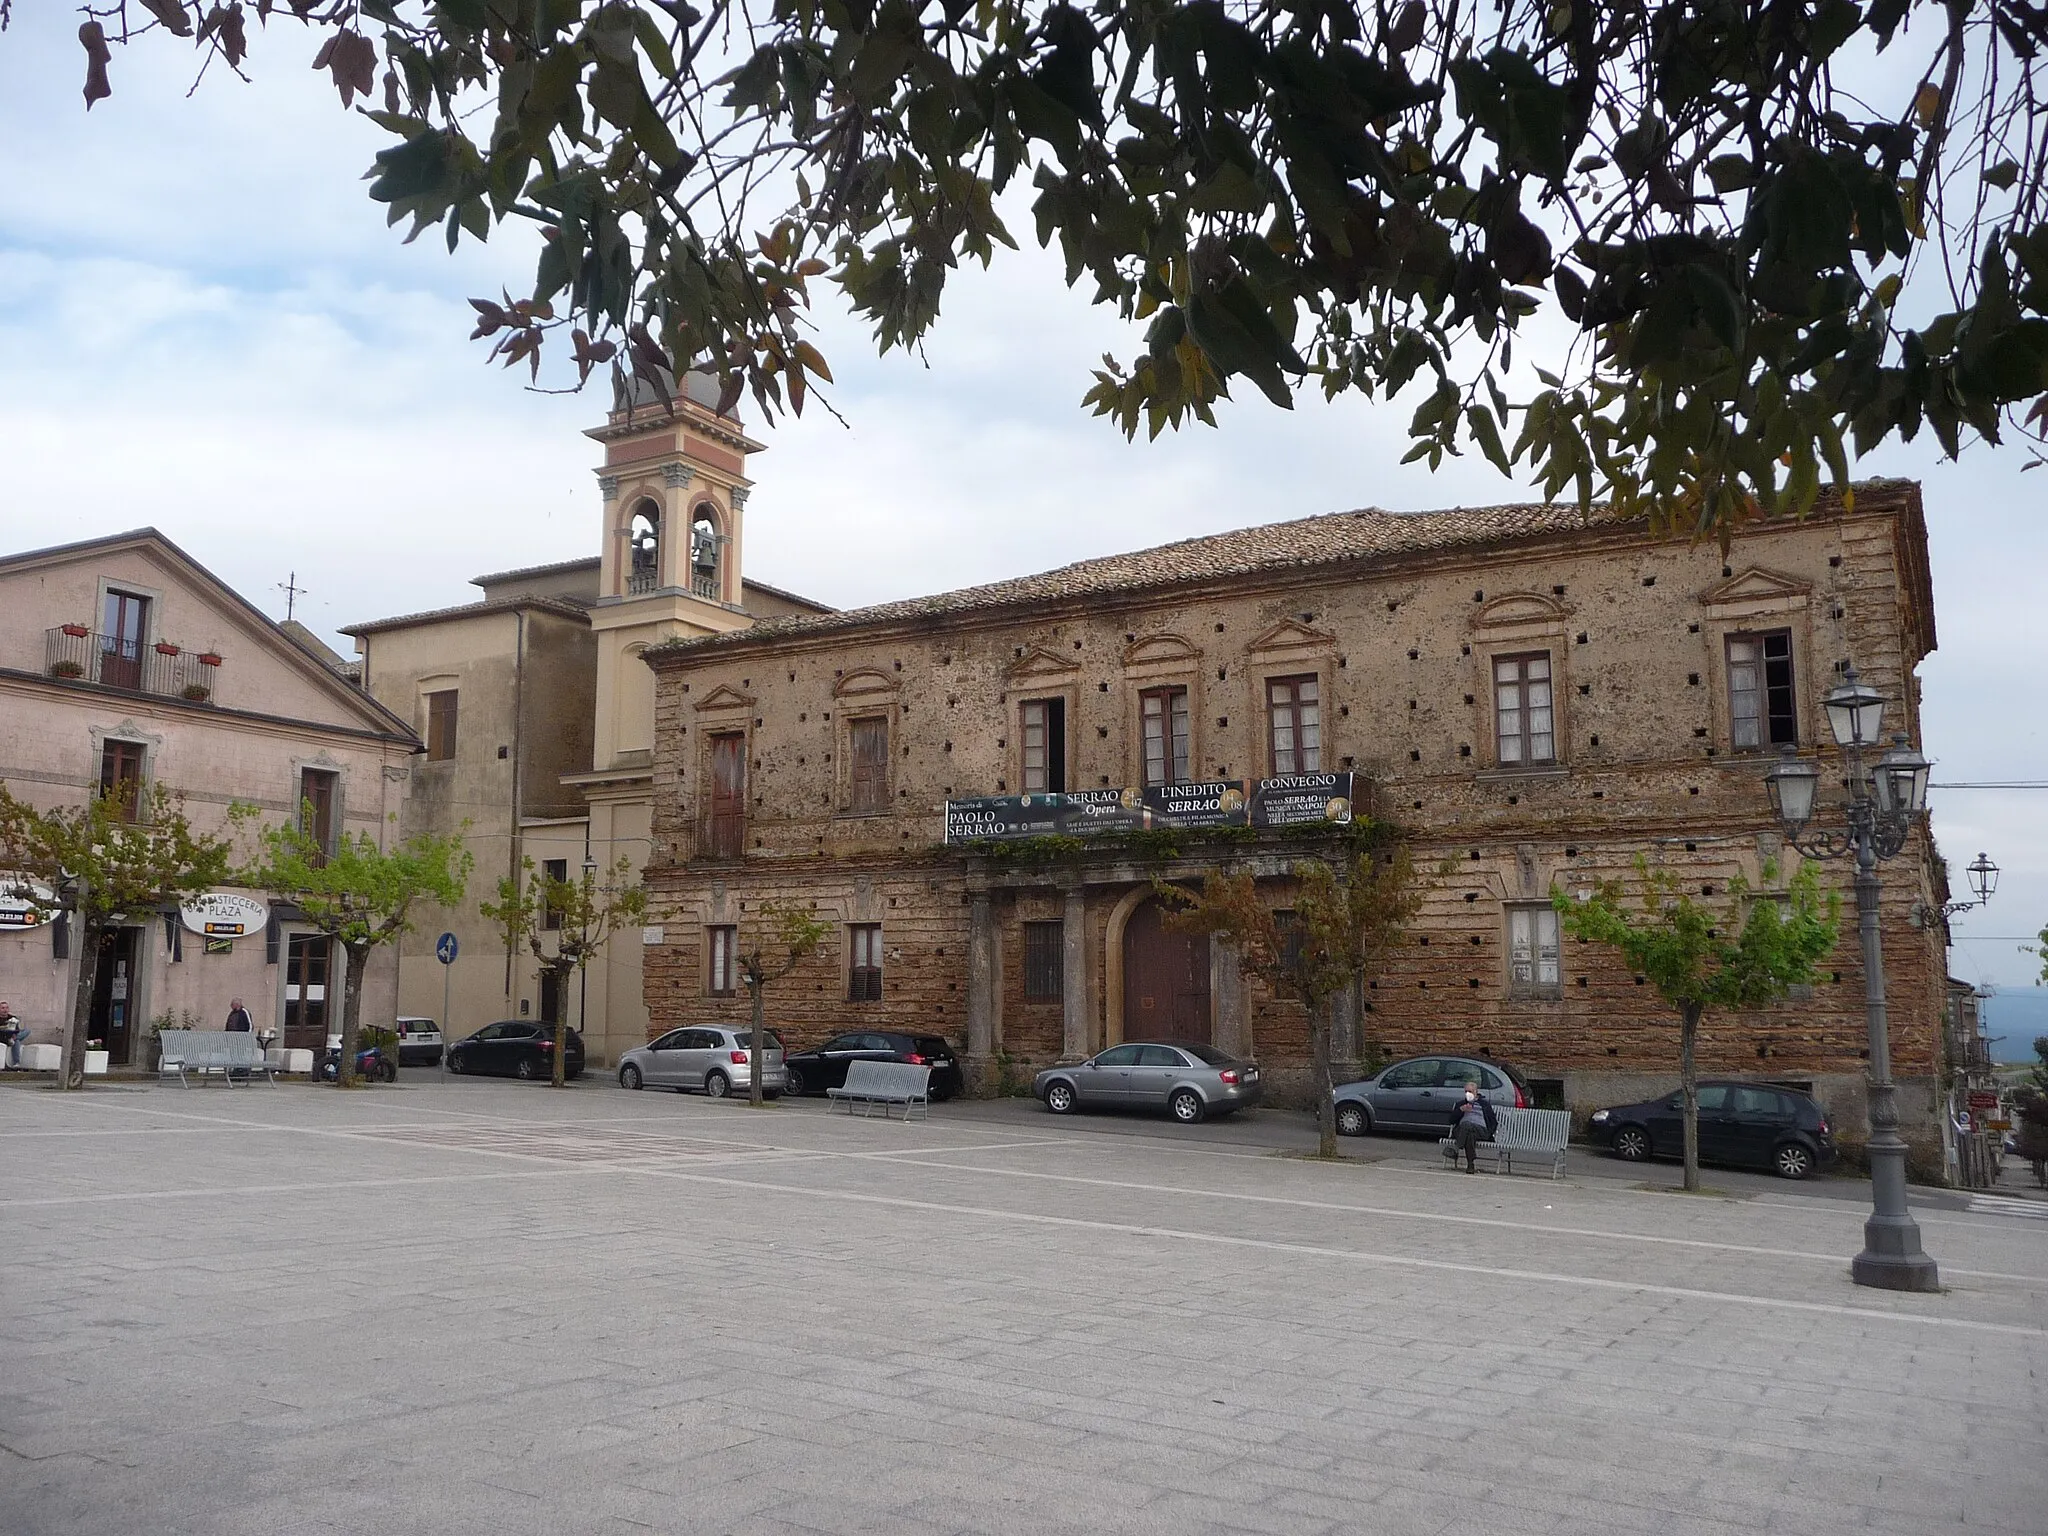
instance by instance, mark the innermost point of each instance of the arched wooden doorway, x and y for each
(1166, 980)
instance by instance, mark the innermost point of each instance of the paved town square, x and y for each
(463, 1307)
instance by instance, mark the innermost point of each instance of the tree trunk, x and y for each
(755, 1098)
(356, 961)
(1689, 1080)
(92, 937)
(561, 1064)
(1319, 1052)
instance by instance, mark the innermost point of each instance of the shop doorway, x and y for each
(1166, 980)
(307, 966)
(115, 998)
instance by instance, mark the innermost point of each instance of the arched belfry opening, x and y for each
(707, 546)
(643, 548)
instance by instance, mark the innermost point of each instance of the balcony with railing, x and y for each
(73, 653)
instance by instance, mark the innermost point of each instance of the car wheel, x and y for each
(1352, 1119)
(717, 1085)
(793, 1083)
(527, 1070)
(454, 1063)
(629, 1076)
(1059, 1098)
(1792, 1161)
(1632, 1144)
(1186, 1106)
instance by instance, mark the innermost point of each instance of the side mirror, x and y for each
(1091, 1061)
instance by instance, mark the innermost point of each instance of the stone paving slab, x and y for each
(480, 1307)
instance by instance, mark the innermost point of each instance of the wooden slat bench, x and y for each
(1533, 1134)
(887, 1083)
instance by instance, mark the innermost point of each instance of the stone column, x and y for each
(1232, 1029)
(981, 987)
(1079, 1038)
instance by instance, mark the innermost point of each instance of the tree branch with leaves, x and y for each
(566, 924)
(779, 938)
(1745, 950)
(358, 894)
(121, 858)
(1757, 238)
(1342, 916)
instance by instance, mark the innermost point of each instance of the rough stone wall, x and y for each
(1636, 630)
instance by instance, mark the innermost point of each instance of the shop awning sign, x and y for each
(223, 915)
(25, 904)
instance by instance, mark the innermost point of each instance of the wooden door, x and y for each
(1166, 980)
(123, 628)
(726, 832)
(308, 961)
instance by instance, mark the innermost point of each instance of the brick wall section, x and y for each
(1636, 630)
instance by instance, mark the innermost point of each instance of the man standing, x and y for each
(1472, 1121)
(238, 1017)
(12, 1033)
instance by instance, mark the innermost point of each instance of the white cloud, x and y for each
(205, 325)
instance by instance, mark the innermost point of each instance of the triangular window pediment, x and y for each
(866, 681)
(1154, 649)
(1038, 662)
(725, 696)
(1290, 635)
(1755, 585)
(1517, 610)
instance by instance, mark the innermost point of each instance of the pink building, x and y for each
(123, 660)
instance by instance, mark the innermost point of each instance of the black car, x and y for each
(825, 1067)
(1753, 1125)
(522, 1048)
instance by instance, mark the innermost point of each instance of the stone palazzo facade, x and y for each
(1535, 699)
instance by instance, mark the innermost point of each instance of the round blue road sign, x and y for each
(444, 949)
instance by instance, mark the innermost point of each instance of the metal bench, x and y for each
(227, 1052)
(1530, 1133)
(869, 1083)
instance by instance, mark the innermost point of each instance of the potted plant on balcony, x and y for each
(67, 668)
(197, 693)
(165, 648)
(76, 631)
(209, 658)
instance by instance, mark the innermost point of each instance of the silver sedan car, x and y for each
(713, 1058)
(1189, 1081)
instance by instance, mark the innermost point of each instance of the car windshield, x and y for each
(1207, 1054)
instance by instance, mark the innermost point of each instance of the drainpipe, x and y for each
(518, 770)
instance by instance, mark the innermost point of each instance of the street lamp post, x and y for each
(1884, 803)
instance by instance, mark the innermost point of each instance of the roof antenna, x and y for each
(291, 589)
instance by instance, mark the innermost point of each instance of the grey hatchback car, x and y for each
(1417, 1094)
(1189, 1081)
(711, 1057)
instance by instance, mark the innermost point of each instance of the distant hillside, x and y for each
(2014, 1020)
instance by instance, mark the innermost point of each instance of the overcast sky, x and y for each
(205, 326)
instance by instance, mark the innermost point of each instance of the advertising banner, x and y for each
(1089, 812)
(1218, 803)
(1302, 799)
(997, 817)
(223, 915)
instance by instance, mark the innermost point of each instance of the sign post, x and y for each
(445, 949)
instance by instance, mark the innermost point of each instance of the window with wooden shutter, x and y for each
(1163, 718)
(121, 775)
(869, 742)
(554, 873)
(1762, 710)
(726, 826)
(316, 807)
(1294, 714)
(1524, 732)
(724, 976)
(441, 725)
(1533, 952)
(1044, 962)
(864, 975)
(1044, 738)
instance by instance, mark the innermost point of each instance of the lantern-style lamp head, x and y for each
(1855, 711)
(1983, 877)
(1792, 781)
(1900, 780)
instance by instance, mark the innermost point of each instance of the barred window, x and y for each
(1044, 962)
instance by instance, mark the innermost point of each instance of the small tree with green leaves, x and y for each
(779, 939)
(116, 859)
(580, 916)
(1745, 951)
(1341, 919)
(358, 894)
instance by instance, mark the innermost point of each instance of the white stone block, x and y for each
(290, 1060)
(42, 1058)
(96, 1063)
